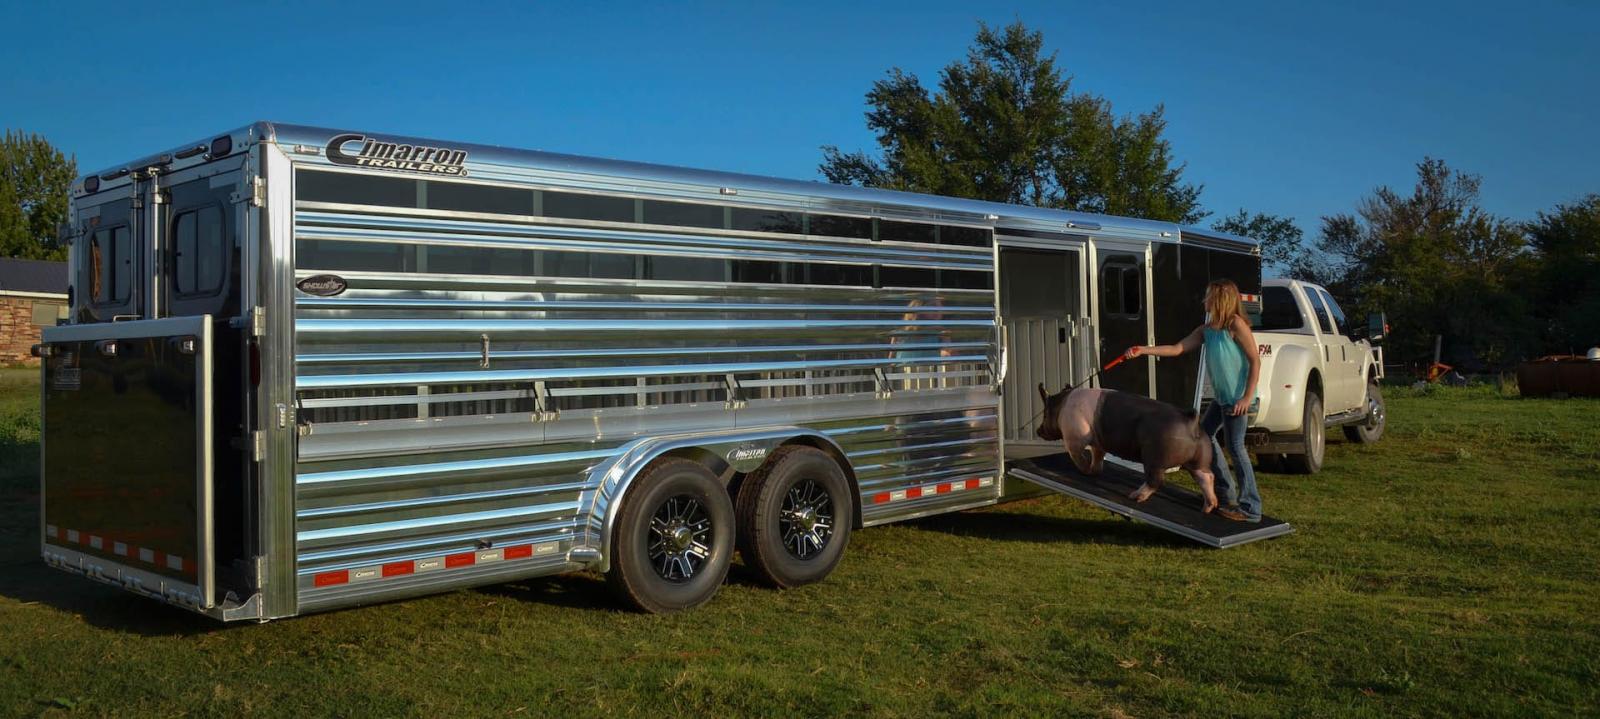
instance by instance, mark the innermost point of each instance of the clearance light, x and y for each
(221, 146)
(91, 185)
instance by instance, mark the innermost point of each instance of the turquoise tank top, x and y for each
(1230, 372)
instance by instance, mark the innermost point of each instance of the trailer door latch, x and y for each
(736, 399)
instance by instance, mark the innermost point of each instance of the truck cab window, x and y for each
(1320, 309)
(1339, 319)
(1278, 311)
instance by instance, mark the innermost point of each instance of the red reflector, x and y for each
(463, 559)
(972, 484)
(395, 569)
(913, 493)
(880, 498)
(518, 552)
(328, 579)
(944, 487)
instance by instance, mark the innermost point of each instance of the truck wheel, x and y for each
(1371, 429)
(1312, 432)
(674, 538)
(794, 516)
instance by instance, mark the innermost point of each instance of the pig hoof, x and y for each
(1141, 494)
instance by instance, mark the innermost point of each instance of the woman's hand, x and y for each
(1133, 352)
(1240, 407)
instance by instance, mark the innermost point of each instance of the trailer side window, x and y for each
(200, 252)
(756, 220)
(858, 228)
(588, 207)
(685, 269)
(970, 236)
(110, 266)
(464, 197)
(1122, 287)
(891, 231)
(683, 214)
(355, 189)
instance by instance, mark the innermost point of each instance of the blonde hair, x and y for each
(1222, 303)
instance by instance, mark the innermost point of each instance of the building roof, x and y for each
(41, 276)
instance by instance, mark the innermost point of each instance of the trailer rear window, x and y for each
(110, 265)
(1122, 287)
(200, 252)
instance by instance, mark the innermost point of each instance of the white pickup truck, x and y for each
(1317, 372)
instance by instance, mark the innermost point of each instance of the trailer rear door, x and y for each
(127, 476)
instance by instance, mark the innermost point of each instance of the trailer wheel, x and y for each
(674, 538)
(1312, 432)
(794, 516)
(1371, 429)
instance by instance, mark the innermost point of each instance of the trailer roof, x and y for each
(1004, 215)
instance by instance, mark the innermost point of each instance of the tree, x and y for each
(1566, 281)
(34, 180)
(1005, 126)
(1438, 264)
(1282, 242)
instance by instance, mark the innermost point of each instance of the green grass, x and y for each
(1449, 570)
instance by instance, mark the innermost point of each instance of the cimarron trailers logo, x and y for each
(362, 151)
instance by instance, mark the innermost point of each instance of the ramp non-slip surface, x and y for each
(1172, 508)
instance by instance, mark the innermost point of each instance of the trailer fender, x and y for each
(744, 450)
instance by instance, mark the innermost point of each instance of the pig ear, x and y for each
(1042, 394)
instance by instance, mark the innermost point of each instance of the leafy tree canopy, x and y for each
(1005, 126)
(34, 180)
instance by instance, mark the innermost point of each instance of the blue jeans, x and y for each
(1241, 492)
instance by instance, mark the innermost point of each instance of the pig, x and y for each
(1092, 423)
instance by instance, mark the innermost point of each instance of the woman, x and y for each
(1234, 366)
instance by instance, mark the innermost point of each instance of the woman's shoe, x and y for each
(1232, 513)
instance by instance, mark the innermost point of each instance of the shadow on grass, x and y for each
(1021, 526)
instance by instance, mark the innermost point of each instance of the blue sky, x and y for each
(1297, 109)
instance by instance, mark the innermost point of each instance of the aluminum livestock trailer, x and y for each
(308, 368)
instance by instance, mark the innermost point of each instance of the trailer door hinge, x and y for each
(258, 321)
(261, 571)
(255, 194)
(258, 445)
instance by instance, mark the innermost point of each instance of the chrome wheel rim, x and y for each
(679, 542)
(806, 519)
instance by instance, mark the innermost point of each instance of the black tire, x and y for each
(1313, 431)
(795, 515)
(674, 538)
(1371, 429)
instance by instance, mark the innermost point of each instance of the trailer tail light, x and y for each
(91, 184)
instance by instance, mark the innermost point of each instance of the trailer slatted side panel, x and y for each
(455, 396)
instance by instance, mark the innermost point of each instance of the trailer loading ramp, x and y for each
(1174, 509)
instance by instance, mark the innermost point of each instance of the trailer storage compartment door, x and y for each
(127, 469)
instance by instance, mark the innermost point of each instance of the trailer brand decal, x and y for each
(372, 152)
(323, 285)
(743, 453)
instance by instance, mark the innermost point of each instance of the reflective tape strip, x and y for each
(52, 531)
(519, 551)
(930, 490)
(174, 563)
(147, 555)
(486, 556)
(119, 549)
(96, 542)
(464, 559)
(395, 569)
(365, 573)
(328, 579)
(428, 565)
(448, 561)
(72, 536)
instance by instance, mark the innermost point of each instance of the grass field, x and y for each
(1450, 570)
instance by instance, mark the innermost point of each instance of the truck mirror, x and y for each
(1377, 326)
